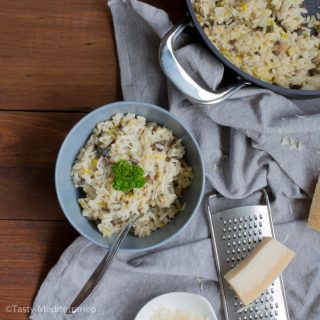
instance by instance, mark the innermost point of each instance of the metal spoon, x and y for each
(101, 269)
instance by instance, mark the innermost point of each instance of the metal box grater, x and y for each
(235, 233)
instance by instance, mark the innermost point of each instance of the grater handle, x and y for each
(211, 196)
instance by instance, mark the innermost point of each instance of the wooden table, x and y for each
(57, 62)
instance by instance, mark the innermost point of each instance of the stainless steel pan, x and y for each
(179, 77)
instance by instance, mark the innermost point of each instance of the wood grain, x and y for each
(28, 251)
(29, 143)
(60, 55)
(57, 55)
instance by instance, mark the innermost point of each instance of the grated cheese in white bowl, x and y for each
(164, 313)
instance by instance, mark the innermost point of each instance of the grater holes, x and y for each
(229, 221)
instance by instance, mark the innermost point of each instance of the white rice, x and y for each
(156, 150)
(176, 314)
(270, 40)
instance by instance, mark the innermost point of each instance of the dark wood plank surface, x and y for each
(57, 61)
(29, 143)
(28, 250)
(60, 55)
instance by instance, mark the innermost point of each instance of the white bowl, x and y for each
(178, 300)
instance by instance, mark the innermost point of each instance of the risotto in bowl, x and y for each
(128, 159)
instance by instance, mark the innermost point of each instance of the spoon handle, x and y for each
(101, 269)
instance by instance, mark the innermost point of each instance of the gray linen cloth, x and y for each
(256, 138)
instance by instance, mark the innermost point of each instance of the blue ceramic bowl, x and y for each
(68, 194)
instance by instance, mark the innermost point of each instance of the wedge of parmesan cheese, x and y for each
(314, 215)
(257, 271)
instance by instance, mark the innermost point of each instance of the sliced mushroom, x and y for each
(149, 178)
(175, 157)
(159, 146)
(279, 47)
(134, 161)
(313, 72)
(295, 86)
(102, 152)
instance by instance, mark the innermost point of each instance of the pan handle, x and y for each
(179, 77)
